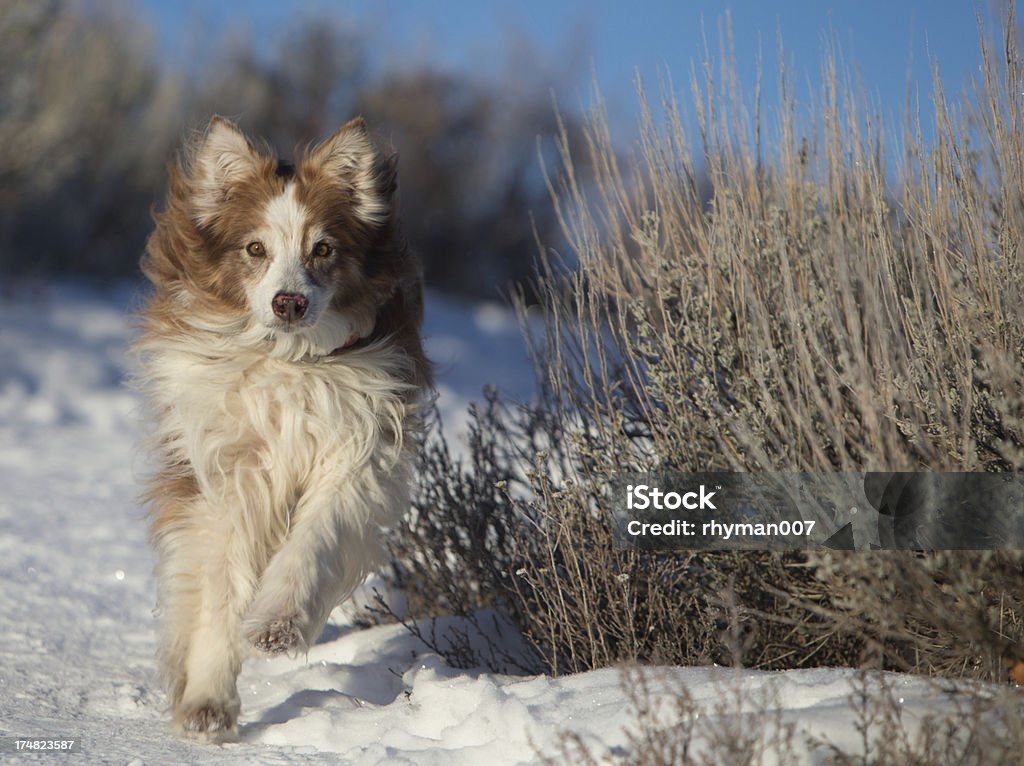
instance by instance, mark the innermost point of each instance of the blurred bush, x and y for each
(472, 182)
(86, 121)
(89, 118)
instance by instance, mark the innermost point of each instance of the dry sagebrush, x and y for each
(764, 297)
(801, 313)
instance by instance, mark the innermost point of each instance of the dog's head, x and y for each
(308, 249)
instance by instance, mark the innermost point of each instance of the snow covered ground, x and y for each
(76, 592)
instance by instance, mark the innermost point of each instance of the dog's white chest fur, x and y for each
(260, 431)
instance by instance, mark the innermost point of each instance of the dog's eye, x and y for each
(322, 249)
(256, 249)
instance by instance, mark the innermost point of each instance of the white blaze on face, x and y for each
(282, 234)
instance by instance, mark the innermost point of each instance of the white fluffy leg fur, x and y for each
(203, 593)
(327, 554)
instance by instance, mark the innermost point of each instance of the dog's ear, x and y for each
(352, 159)
(221, 158)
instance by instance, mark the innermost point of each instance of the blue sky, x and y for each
(567, 40)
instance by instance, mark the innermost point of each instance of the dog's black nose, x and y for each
(290, 306)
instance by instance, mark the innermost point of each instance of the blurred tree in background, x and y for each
(89, 117)
(472, 182)
(85, 124)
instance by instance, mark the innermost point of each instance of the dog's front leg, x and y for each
(209, 582)
(333, 543)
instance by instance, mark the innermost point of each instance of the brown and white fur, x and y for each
(281, 355)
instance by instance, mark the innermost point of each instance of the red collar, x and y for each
(353, 339)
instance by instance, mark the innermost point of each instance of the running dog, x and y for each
(282, 359)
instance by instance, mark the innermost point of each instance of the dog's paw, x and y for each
(277, 636)
(209, 719)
